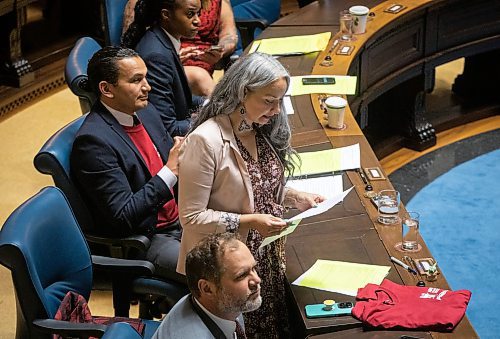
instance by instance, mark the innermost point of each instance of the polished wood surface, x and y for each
(404, 156)
(349, 231)
(328, 13)
(395, 61)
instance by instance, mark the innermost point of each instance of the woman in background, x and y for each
(198, 54)
(156, 34)
(231, 178)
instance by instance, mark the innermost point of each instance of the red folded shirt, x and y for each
(395, 306)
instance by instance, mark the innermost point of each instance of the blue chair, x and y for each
(120, 330)
(252, 17)
(43, 247)
(54, 159)
(113, 21)
(75, 71)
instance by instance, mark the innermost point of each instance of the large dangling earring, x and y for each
(244, 126)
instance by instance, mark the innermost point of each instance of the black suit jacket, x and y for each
(112, 176)
(170, 92)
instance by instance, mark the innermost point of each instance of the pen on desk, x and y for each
(402, 264)
(362, 175)
(335, 43)
(315, 175)
(368, 186)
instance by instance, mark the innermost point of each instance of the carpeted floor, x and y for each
(459, 213)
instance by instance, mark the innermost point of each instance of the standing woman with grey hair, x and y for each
(231, 178)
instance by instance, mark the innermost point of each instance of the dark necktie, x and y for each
(137, 122)
(240, 333)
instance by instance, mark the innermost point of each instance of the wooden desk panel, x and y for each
(349, 231)
(321, 13)
(364, 333)
(347, 239)
(461, 24)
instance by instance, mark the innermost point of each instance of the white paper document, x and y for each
(322, 207)
(328, 161)
(287, 231)
(294, 222)
(327, 186)
(287, 105)
(350, 157)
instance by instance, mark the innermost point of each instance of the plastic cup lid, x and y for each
(335, 102)
(359, 10)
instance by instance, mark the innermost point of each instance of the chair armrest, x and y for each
(247, 28)
(133, 268)
(121, 330)
(67, 329)
(172, 290)
(256, 23)
(119, 247)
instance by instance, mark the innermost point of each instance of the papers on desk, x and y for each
(329, 161)
(341, 277)
(292, 45)
(322, 207)
(344, 84)
(287, 105)
(327, 186)
(294, 222)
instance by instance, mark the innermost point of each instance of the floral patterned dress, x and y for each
(266, 175)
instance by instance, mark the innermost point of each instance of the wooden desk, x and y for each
(349, 232)
(396, 57)
(321, 13)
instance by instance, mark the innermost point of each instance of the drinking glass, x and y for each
(346, 22)
(410, 232)
(388, 207)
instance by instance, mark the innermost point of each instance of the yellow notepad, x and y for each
(329, 161)
(293, 45)
(341, 277)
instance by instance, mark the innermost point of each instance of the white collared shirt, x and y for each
(228, 327)
(127, 120)
(175, 42)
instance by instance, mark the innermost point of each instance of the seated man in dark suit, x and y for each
(125, 163)
(221, 276)
(159, 46)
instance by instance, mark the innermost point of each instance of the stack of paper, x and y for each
(293, 45)
(329, 161)
(327, 186)
(341, 277)
(295, 221)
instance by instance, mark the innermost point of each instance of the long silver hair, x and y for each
(250, 73)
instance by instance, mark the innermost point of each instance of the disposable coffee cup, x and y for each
(335, 107)
(359, 14)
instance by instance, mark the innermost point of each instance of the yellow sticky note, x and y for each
(341, 277)
(300, 44)
(319, 162)
(254, 47)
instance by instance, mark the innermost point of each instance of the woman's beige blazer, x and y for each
(213, 180)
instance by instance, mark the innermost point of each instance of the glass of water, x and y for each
(346, 23)
(388, 207)
(410, 235)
